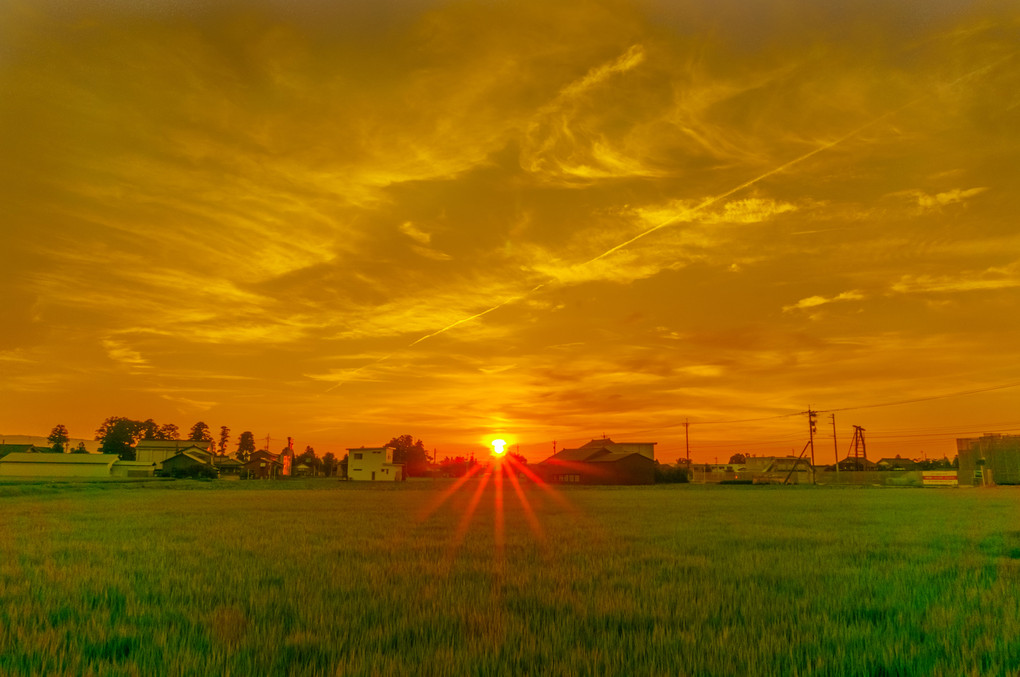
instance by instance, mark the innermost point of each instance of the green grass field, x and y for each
(325, 578)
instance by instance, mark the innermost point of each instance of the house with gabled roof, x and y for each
(895, 463)
(22, 449)
(158, 451)
(262, 465)
(601, 462)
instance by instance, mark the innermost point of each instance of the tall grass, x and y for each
(342, 580)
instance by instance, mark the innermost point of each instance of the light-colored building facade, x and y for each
(989, 459)
(157, 451)
(133, 469)
(373, 464)
(57, 465)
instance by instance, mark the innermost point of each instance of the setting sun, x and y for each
(498, 447)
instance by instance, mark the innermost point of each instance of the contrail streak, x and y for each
(707, 202)
(512, 299)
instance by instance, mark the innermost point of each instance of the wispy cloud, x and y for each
(815, 301)
(999, 277)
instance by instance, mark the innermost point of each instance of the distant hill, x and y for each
(91, 445)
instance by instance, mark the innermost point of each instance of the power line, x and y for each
(928, 399)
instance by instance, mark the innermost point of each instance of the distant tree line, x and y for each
(119, 435)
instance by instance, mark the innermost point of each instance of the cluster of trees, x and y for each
(119, 435)
(327, 466)
(412, 454)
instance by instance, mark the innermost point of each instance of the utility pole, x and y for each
(812, 427)
(835, 447)
(687, 441)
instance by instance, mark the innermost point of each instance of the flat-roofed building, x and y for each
(989, 459)
(373, 464)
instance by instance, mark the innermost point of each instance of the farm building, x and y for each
(227, 465)
(373, 465)
(989, 459)
(263, 465)
(185, 462)
(123, 468)
(157, 451)
(896, 463)
(25, 464)
(22, 449)
(779, 469)
(601, 462)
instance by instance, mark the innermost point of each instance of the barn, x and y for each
(601, 462)
(24, 464)
(158, 451)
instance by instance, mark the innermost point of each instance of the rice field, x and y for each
(326, 578)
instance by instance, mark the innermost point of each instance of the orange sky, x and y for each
(539, 221)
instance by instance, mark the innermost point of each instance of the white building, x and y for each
(373, 465)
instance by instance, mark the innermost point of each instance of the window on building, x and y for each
(357, 457)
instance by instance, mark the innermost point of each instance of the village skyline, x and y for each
(638, 218)
(825, 437)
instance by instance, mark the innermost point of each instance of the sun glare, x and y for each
(498, 447)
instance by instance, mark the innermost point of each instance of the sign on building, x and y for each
(939, 478)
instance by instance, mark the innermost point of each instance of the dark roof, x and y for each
(262, 454)
(226, 461)
(178, 445)
(20, 449)
(255, 461)
(590, 455)
(582, 454)
(186, 458)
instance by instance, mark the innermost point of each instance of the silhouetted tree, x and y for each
(666, 474)
(59, 438)
(118, 435)
(518, 457)
(245, 446)
(168, 431)
(221, 448)
(149, 429)
(309, 458)
(329, 464)
(342, 467)
(738, 458)
(411, 453)
(454, 467)
(200, 433)
(80, 449)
